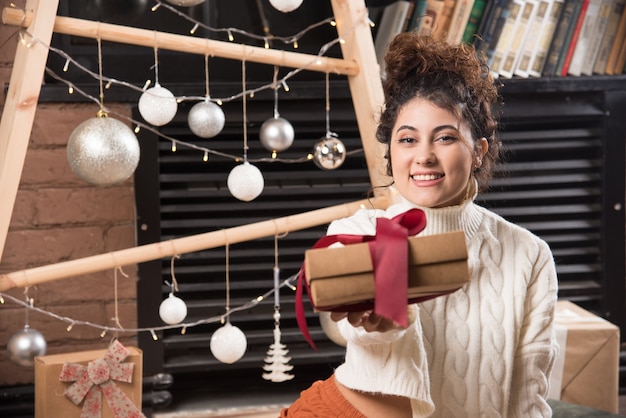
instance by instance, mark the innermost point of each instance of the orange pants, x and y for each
(321, 400)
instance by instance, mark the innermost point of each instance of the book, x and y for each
(430, 18)
(537, 62)
(494, 31)
(620, 63)
(520, 33)
(593, 49)
(458, 21)
(620, 38)
(392, 22)
(474, 21)
(589, 26)
(419, 11)
(443, 20)
(530, 45)
(505, 37)
(485, 23)
(558, 39)
(609, 37)
(565, 57)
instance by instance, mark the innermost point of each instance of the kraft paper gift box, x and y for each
(339, 276)
(586, 371)
(50, 398)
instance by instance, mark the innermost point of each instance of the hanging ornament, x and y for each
(103, 151)
(331, 329)
(286, 6)
(228, 343)
(185, 3)
(329, 153)
(157, 105)
(277, 133)
(173, 310)
(245, 182)
(206, 119)
(25, 345)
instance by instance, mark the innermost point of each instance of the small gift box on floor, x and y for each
(89, 384)
(340, 276)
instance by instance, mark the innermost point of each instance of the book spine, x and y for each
(593, 49)
(558, 40)
(418, 13)
(570, 44)
(431, 17)
(584, 37)
(505, 37)
(532, 39)
(459, 19)
(620, 38)
(494, 32)
(474, 21)
(609, 37)
(443, 22)
(520, 33)
(547, 34)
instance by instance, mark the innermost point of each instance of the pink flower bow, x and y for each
(95, 379)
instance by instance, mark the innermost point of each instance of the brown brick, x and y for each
(48, 167)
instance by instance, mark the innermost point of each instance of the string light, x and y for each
(194, 29)
(66, 66)
(154, 336)
(205, 158)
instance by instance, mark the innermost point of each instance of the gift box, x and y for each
(89, 383)
(586, 371)
(340, 276)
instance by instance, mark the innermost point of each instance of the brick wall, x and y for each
(58, 217)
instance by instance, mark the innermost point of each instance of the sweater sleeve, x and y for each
(537, 348)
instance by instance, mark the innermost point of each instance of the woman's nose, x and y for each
(424, 155)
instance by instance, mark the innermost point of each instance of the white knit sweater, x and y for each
(483, 351)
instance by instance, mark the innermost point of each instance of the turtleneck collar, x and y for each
(466, 217)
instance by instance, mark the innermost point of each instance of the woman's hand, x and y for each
(366, 319)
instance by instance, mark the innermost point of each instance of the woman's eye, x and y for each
(447, 138)
(406, 140)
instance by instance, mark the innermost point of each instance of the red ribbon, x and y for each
(389, 250)
(96, 379)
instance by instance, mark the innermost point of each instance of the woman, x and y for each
(487, 349)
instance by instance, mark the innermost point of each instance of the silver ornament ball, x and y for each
(329, 153)
(206, 119)
(25, 345)
(245, 182)
(157, 105)
(103, 151)
(286, 6)
(228, 343)
(173, 310)
(276, 134)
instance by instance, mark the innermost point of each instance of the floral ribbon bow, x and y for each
(389, 251)
(95, 379)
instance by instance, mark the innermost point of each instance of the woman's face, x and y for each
(432, 154)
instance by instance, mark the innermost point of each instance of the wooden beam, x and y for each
(366, 86)
(159, 250)
(20, 106)
(186, 44)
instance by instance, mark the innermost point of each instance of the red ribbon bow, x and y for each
(95, 379)
(389, 250)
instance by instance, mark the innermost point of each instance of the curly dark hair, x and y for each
(455, 78)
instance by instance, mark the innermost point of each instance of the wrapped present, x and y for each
(586, 371)
(89, 384)
(345, 275)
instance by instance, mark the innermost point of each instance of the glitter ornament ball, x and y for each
(206, 119)
(173, 310)
(185, 3)
(25, 345)
(245, 182)
(103, 151)
(157, 105)
(228, 343)
(276, 134)
(286, 6)
(329, 153)
(331, 329)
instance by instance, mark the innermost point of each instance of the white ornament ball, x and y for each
(157, 105)
(245, 182)
(173, 310)
(25, 345)
(331, 329)
(103, 151)
(276, 134)
(206, 119)
(185, 3)
(286, 6)
(228, 343)
(329, 153)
